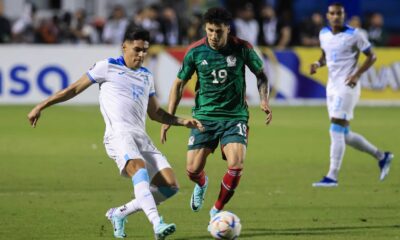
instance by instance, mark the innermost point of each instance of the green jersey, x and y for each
(221, 85)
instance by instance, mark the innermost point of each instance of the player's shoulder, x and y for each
(238, 42)
(116, 61)
(101, 64)
(325, 30)
(104, 63)
(196, 45)
(350, 30)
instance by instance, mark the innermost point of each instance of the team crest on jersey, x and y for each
(231, 61)
(137, 92)
(146, 80)
(191, 140)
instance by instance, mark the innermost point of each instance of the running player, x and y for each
(220, 104)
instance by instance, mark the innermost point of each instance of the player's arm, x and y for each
(61, 96)
(156, 113)
(175, 96)
(368, 62)
(317, 64)
(263, 90)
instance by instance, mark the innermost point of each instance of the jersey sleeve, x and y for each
(188, 67)
(362, 42)
(97, 73)
(152, 90)
(253, 61)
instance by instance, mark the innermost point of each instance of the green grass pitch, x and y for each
(57, 182)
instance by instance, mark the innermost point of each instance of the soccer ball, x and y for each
(225, 225)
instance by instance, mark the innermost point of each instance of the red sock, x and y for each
(228, 186)
(199, 178)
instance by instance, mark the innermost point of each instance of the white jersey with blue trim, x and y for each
(341, 52)
(124, 94)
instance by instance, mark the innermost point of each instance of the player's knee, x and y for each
(236, 164)
(194, 174)
(193, 169)
(169, 191)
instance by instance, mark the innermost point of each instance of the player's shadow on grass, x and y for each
(256, 232)
(197, 237)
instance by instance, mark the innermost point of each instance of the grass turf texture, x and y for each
(57, 182)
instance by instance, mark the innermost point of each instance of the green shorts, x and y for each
(223, 132)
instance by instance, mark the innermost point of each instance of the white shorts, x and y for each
(124, 146)
(342, 106)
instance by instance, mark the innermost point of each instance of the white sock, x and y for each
(144, 197)
(128, 208)
(160, 194)
(337, 149)
(360, 143)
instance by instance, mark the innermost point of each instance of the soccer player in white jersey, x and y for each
(126, 93)
(341, 46)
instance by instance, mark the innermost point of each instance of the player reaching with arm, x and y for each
(126, 93)
(341, 46)
(220, 104)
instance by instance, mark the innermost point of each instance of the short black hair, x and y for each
(217, 15)
(336, 4)
(137, 34)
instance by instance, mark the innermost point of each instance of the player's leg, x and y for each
(337, 148)
(141, 182)
(233, 142)
(163, 186)
(137, 171)
(116, 146)
(163, 180)
(200, 145)
(134, 169)
(235, 155)
(360, 143)
(340, 108)
(125, 151)
(196, 161)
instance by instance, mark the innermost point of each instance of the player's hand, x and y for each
(163, 135)
(266, 108)
(313, 68)
(34, 116)
(352, 81)
(193, 123)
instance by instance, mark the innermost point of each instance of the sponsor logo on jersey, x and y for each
(231, 61)
(204, 62)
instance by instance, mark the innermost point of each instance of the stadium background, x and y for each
(30, 71)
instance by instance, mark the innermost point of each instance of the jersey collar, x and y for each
(344, 28)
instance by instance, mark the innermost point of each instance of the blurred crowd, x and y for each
(260, 24)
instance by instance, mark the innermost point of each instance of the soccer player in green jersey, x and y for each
(220, 104)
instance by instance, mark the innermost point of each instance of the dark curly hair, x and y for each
(217, 15)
